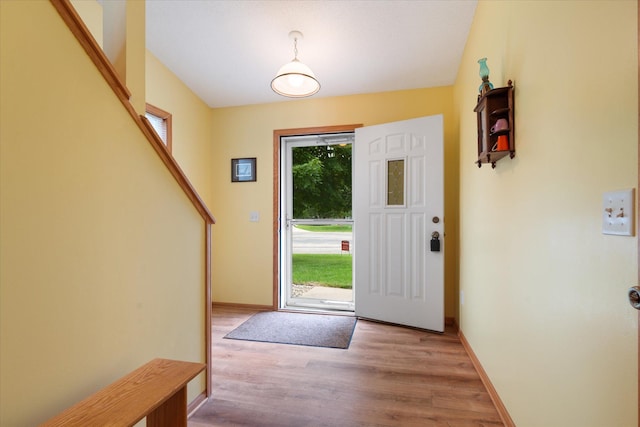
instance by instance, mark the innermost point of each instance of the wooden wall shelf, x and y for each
(492, 106)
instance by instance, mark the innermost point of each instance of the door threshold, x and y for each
(318, 311)
(320, 308)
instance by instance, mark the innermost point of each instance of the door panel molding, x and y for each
(277, 134)
(397, 278)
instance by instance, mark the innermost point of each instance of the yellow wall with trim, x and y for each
(90, 290)
(191, 117)
(135, 47)
(91, 13)
(191, 124)
(101, 253)
(545, 305)
(248, 132)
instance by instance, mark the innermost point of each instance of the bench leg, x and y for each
(172, 413)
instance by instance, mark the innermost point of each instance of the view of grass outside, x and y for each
(330, 270)
(322, 182)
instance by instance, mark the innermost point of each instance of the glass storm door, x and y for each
(316, 224)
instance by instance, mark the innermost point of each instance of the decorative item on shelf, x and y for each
(500, 129)
(503, 143)
(501, 124)
(484, 75)
(295, 79)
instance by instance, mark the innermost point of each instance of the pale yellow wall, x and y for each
(545, 305)
(91, 13)
(101, 254)
(242, 250)
(131, 61)
(191, 123)
(135, 53)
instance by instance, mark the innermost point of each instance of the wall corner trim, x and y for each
(495, 398)
(82, 34)
(85, 38)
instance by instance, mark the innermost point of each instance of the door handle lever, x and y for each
(634, 297)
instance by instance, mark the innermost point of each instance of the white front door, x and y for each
(398, 203)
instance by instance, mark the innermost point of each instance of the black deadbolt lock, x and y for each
(435, 242)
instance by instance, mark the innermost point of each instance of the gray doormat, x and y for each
(317, 330)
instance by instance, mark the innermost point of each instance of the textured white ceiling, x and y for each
(227, 51)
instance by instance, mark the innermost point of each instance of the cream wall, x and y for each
(135, 39)
(242, 250)
(545, 305)
(191, 124)
(91, 13)
(191, 117)
(101, 254)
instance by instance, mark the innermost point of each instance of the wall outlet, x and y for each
(254, 216)
(617, 213)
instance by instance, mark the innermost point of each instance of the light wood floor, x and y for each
(389, 376)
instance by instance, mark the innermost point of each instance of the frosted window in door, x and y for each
(395, 182)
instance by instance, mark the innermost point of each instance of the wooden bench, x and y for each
(156, 390)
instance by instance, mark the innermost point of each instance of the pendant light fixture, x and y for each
(294, 79)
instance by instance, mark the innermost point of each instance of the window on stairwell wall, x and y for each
(161, 122)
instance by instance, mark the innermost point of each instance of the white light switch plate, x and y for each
(618, 213)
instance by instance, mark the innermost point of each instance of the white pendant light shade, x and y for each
(295, 79)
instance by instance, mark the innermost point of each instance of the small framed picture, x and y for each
(243, 170)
